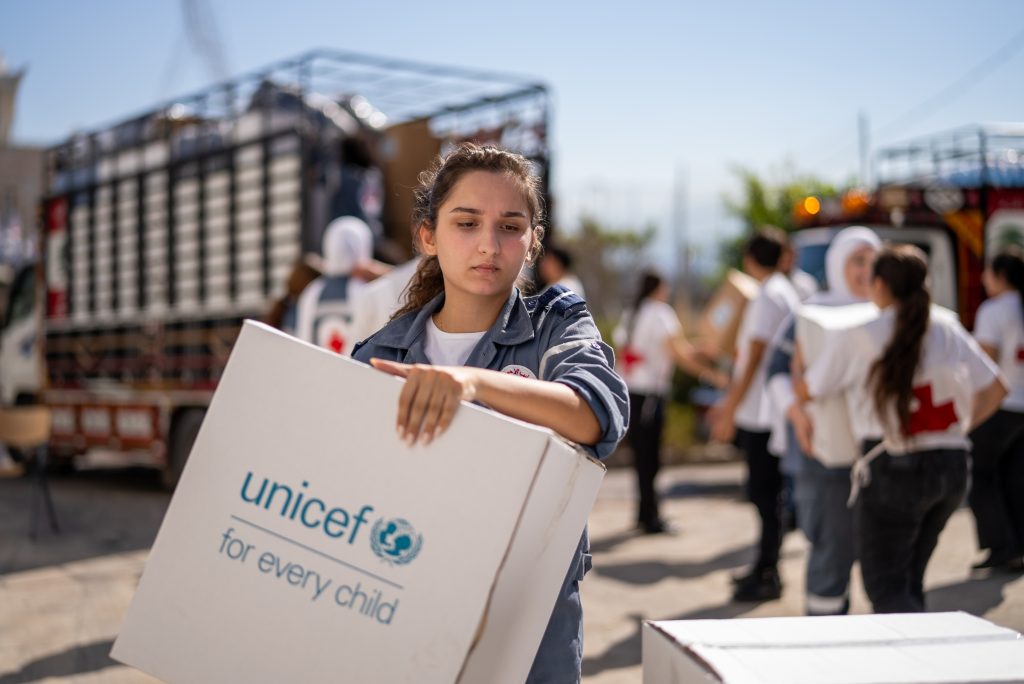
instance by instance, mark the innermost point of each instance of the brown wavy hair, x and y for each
(904, 270)
(436, 183)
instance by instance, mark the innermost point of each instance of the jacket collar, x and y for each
(513, 325)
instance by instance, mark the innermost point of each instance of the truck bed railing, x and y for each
(971, 156)
(374, 91)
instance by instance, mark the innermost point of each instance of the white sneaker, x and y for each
(9, 467)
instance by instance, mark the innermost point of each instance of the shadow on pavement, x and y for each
(725, 489)
(100, 512)
(976, 595)
(74, 661)
(626, 653)
(649, 572)
(606, 544)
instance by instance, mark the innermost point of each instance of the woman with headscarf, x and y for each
(326, 308)
(821, 491)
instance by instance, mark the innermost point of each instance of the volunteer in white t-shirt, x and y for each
(929, 382)
(821, 490)
(743, 414)
(997, 482)
(555, 268)
(650, 345)
(804, 283)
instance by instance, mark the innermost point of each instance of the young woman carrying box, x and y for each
(466, 333)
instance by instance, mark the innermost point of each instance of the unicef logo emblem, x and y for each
(395, 541)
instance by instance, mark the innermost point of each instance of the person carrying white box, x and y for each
(929, 383)
(466, 333)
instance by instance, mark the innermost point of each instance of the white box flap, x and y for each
(856, 649)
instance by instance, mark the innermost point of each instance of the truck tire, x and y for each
(183, 434)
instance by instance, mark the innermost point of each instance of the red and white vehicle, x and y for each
(958, 195)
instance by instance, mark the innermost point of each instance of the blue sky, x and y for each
(641, 89)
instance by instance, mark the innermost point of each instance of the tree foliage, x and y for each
(608, 261)
(765, 201)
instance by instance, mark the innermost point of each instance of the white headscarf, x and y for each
(844, 244)
(348, 242)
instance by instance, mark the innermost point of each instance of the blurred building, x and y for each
(21, 184)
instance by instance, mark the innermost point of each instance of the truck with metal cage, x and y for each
(958, 195)
(160, 234)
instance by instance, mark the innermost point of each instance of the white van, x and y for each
(811, 244)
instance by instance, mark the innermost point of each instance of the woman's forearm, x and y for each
(685, 356)
(987, 401)
(548, 404)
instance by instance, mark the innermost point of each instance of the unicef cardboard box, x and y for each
(848, 649)
(719, 323)
(306, 542)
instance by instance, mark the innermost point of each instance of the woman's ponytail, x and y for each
(649, 282)
(903, 269)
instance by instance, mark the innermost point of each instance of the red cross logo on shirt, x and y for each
(630, 358)
(928, 417)
(336, 342)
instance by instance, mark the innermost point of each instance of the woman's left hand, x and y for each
(430, 397)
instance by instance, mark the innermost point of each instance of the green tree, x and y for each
(607, 261)
(768, 202)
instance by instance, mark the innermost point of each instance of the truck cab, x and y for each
(812, 243)
(958, 195)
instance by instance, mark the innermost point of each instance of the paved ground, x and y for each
(62, 598)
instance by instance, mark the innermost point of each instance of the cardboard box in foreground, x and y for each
(849, 649)
(719, 323)
(306, 543)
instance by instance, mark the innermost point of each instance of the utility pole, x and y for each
(8, 92)
(680, 232)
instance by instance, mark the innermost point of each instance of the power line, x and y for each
(958, 87)
(948, 94)
(199, 29)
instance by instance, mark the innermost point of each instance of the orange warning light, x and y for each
(855, 202)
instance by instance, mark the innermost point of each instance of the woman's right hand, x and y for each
(430, 397)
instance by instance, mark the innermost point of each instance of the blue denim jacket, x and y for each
(551, 336)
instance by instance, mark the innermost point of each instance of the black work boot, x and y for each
(763, 584)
